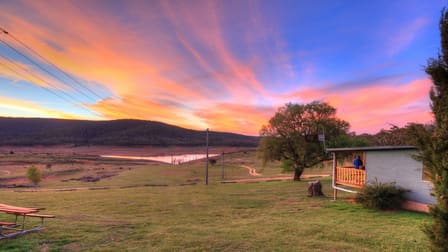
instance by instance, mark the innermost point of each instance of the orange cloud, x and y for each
(133, 107)
(133, 68)
(124, 64)
(244, 119)
(175, 64)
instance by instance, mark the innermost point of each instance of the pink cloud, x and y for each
(405, 36)
(369, 109)
(240, 79)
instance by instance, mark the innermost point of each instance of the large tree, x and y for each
(292, 135)
(433, 146)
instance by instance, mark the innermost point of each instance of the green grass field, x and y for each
(168, 208)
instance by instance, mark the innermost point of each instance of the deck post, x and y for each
(335, 193)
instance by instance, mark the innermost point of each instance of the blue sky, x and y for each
(224, 65)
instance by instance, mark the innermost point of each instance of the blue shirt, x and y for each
(356, 163)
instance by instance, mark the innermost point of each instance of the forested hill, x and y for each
(39, 131)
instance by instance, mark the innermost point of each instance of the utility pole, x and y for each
(206, 158)
(325, 147)
(322, 138)
(222, 165)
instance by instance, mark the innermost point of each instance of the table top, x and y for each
(17, 210)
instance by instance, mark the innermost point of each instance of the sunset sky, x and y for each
(224, 65)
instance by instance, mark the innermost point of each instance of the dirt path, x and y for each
(252, 171)
(63, 189)
(6, 172)
(251, 180)
(274, 178)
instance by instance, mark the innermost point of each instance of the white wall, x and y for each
(399, 166)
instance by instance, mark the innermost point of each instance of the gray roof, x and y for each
(372, 148)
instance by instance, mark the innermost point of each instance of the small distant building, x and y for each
(385, 164)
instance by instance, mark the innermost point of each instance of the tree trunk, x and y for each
(297, 173)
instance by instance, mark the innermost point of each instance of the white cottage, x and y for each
(384, 163)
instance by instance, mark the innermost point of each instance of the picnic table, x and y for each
(16, 228)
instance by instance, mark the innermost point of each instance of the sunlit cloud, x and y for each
(137, 108)
(228, 67)
(211, 50)
(236, 117)
(370, 108)
(12, 107)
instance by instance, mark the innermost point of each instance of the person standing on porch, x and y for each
(357, 162)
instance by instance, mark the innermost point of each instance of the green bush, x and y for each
(382, 196)
(287, 165)
(34, 175)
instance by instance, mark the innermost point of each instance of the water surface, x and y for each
(170, 159)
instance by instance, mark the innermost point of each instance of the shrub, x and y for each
(286, 165)
(34, 175)
(382, 196)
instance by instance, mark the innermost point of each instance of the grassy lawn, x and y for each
(136, 213)
(269, 216)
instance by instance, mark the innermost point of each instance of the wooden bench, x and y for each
(3, 223)
(41, 215)
(13, 229)
(7, 226)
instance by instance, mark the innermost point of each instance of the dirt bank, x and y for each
(117, 150)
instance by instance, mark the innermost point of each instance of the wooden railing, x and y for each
(350, 176)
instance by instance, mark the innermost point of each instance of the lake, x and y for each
(169, 159)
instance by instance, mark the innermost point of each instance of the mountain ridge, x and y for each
(121, 132)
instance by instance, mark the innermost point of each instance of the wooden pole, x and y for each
(206, 158)
(222, 165)
(335, 191)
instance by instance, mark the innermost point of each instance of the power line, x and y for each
(40, 67)
(46, 89)
(52, 64)
(56, 68)
(39, 78)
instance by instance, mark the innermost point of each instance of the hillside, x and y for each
(39, 131)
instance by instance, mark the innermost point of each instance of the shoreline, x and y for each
(120, 150)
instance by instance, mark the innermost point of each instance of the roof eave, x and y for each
(372, 148)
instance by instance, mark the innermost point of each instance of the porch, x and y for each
(348, 176)
(345, 176)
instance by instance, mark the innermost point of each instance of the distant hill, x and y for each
(40, 131)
